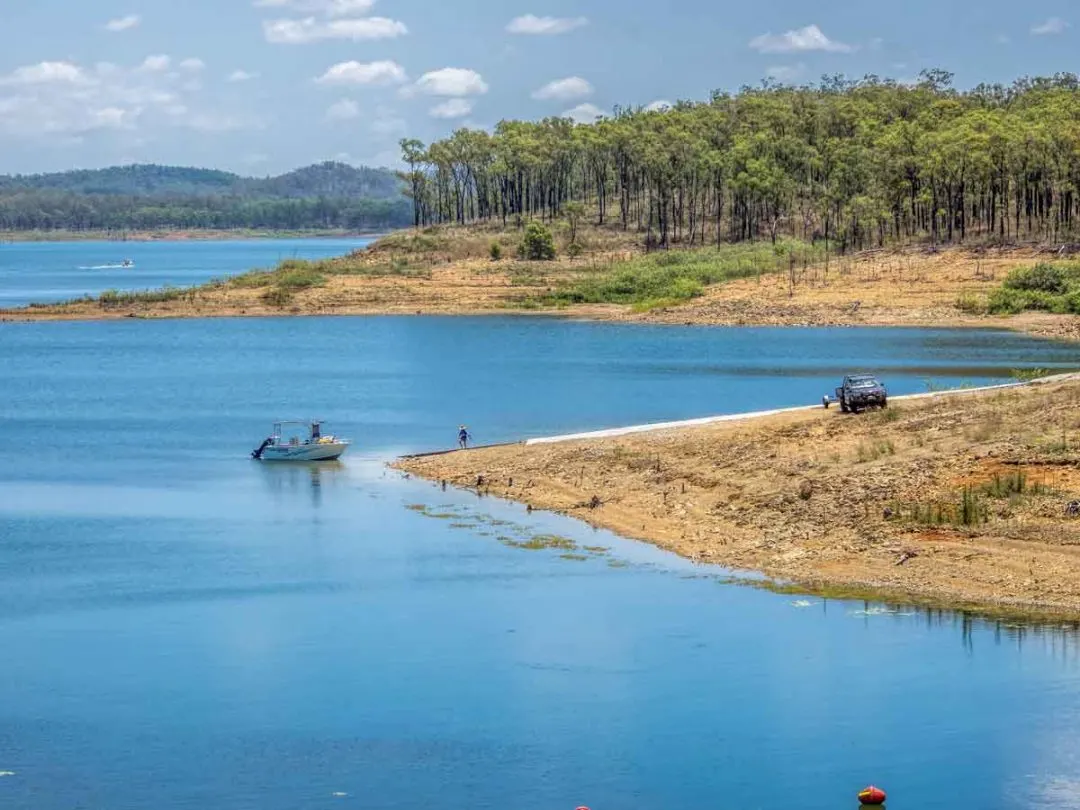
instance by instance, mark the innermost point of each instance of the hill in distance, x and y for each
(330, 179)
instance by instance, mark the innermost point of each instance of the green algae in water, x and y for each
(597, 549)
(576, 557)
(428, 511)
(541, 541)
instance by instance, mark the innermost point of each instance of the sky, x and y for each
(263, 86)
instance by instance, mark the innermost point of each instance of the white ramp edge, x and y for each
(738, 417)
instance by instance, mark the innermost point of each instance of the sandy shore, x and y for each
(868, 505)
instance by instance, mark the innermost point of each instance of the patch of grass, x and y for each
(1029, 374)
(277, 297)
(676, 276)
(115, 298)
(1012, 484)
(541, 541)
(873, 450)
(971, 304)
(967, 509)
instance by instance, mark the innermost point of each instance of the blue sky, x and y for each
(262, 86)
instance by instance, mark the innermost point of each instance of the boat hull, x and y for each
(328, 451)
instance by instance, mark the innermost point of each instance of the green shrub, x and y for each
(495, 251)
(300, 278)
(538, 244)
(969, 303)
(573, 250)
(113, 298)
(1043, 277)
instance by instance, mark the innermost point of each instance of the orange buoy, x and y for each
(872, 796)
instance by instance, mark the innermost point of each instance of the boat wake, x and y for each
(107, 267)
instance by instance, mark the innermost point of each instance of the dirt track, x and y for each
(868, 504)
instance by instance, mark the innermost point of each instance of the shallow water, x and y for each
(183, 627)
(44, 272)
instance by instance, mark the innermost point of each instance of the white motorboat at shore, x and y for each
(300, 441)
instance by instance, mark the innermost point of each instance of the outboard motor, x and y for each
(257, 454)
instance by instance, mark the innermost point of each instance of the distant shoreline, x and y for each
(178, 235)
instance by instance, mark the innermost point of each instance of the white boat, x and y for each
(300, 441)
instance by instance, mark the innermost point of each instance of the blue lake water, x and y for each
(42, 272)
(182, 627)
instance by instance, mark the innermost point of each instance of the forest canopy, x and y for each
(860, 163)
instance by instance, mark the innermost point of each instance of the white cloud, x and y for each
(344, 110)
(453, 82)
(531, 24)
(123, 23)
(331, 8)
(310, 29)
(242, 76)
(62, 102)
(452, 108)
(192, 64)
(383, 72)
(785, 73)
(584, 113)
(658, 106)
(47, 73)
(810, 38)
(156, 64)
(1054, 25)
(567, 89)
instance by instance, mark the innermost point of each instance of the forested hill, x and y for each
(860, 163)
(322, 180)
(142, 197)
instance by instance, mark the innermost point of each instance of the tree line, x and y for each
(51, 210)
(856, 163)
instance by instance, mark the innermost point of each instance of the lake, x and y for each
(43, 272)
(184, 628)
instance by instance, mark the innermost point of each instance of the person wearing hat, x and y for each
(463, 437)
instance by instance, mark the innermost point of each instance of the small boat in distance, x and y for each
(300, 441)
(127, 263)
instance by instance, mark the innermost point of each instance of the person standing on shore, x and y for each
(463, 437)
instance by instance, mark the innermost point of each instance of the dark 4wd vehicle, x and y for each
(860, 391)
